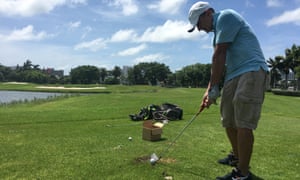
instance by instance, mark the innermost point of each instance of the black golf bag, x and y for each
(166, 111)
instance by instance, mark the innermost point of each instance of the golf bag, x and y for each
(166, 111)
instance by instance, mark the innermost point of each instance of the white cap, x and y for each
(195, 11)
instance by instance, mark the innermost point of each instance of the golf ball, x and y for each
(152, 161)
(130, 138)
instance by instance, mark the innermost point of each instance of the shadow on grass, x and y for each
(255, 177)
(198, 173)
(161, 139)
(165, 162)
(180, 170)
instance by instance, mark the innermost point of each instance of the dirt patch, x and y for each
(142, 159)
(167, 160)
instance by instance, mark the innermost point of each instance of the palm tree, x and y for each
(285, 64)
(27, 65)
(292, 59)
(274, 65)
(103, 74)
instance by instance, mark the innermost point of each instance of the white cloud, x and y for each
(206, 46)
(73, 2)
(151, 58)
(249, 4)
(287, 17)
(274, 3)
(128, 7)
(123, 35)
(133, 50)
(29, 8)
(74, 25)
(169, 31)
(93, 45)
(87, 30)
(25, 34)
(167, 6)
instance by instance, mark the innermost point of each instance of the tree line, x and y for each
(145, 73)
(26, 73)
(151, 73)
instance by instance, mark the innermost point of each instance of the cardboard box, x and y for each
(150, 132)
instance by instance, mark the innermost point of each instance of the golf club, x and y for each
(154, 158)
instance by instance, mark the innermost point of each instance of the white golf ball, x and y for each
(130, 138)
(152, 161)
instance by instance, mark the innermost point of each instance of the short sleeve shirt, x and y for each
(244, 53)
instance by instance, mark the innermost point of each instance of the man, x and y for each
(236, 48)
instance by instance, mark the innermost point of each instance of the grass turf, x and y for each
(86, 137)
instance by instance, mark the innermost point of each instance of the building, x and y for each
(52, 72)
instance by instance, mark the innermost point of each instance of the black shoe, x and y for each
(229, 160)
(235, 175)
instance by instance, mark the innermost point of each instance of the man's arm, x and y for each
(217, 71)
(218, 63)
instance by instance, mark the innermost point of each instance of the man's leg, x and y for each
(227, 115)
(232, 135)
(248, 103)
(245, 146)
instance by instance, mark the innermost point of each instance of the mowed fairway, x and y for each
(86, 137)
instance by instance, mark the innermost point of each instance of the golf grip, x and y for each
(181, 132)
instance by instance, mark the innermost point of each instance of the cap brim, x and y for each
(191, 30)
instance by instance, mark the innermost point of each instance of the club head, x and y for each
(153, 159)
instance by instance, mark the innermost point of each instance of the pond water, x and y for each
(10, 96)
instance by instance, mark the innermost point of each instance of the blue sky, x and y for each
(64, 34)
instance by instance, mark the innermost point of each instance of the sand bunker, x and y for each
(15, 83)
(71, 88)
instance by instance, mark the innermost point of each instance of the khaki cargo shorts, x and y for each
(242, 100)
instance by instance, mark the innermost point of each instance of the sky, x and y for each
(65, 34)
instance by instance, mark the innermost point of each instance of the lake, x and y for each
(10, 96)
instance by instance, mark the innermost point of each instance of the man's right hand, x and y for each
(205, 102)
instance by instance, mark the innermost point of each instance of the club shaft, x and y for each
(180, 133)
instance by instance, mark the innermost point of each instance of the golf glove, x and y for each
(214, 93)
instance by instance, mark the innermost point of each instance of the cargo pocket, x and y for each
(247, 111)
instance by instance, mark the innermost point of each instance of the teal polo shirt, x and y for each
(244, 53)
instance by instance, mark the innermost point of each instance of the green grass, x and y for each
(86, 137)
